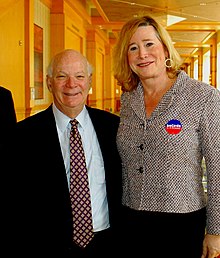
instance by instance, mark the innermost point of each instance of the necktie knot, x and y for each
(74, 123)
(74, 128)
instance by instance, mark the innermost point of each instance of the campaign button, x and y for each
(173, 126)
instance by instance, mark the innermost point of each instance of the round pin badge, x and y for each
(173, 126)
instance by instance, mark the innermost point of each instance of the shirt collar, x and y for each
(62, 120)
(82, 118)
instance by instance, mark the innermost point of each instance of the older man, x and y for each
(45, 180)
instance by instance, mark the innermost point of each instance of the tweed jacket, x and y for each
(161, 155)
(44, 204)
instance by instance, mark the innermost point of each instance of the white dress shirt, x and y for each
(94, 162)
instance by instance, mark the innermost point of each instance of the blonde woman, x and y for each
(168, 123)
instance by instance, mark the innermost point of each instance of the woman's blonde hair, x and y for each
(122, 71)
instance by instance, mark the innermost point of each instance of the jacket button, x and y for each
(141, 147)
(140, 169)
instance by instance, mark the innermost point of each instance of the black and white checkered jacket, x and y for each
(162, 155)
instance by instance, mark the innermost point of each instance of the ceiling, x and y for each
(202, 19)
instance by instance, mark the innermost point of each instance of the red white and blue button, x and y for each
(173, 126)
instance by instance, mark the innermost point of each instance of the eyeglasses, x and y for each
(63, 77)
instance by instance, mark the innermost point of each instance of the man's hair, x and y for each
(58, 55)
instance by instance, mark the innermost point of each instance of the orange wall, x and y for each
(12, 52)
(67, 25)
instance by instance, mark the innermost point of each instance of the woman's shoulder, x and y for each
(196, 88)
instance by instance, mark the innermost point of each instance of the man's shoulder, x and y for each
(102, 113)
(37, 118)
(5, 92)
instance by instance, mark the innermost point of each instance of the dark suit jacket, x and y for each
(7, 113)
(7, 125)
(43, 208)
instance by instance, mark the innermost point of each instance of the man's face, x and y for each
(70, 83)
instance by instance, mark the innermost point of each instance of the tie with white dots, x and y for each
(79, 190)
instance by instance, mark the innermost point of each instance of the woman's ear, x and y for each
(167, 55)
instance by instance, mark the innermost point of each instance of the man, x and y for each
(7, 112)
(44, 206)
(7, 125)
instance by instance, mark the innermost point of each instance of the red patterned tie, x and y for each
(79, 190)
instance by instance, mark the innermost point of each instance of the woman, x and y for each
(169, 122)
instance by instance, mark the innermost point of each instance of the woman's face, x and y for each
(146, 54)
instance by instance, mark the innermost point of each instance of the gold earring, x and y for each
(168, 63)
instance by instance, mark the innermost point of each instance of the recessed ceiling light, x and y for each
(171, 19)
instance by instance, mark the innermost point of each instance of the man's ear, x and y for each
(90, 80)
(48, 80)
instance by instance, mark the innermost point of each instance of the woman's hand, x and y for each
(211, 246)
